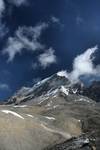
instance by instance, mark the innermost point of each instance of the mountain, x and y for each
(53, 114)
(93, 91)
(47, 88)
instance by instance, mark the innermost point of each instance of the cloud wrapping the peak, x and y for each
(24, 38)
(83, 65)
(47, 58)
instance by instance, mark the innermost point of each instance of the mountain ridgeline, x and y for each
(56, 84)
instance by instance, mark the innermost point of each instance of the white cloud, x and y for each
(47, 58)
(13, 47)
(18, 2)
(24, 38)
(83, 66)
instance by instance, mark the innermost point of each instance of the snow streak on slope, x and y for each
(11, 112)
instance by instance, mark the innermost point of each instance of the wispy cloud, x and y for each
(3, 29)
(55, 19)
(47, 58)
(24, 38)
(4, 87)
(2, 7)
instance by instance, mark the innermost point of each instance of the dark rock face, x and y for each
(93, 91)
(79, 143)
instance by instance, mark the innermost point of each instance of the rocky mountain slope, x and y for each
(54, 114)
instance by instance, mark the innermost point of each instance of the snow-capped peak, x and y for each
(63, 73)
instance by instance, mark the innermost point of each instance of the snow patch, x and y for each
(55, 106)
(82, 99)
(47, 96)
(30, 115)
(20, 106)
(86, 141)
(79, 120)
(63, 73)
(52, 92)
(12, 112)
(43, 99)
(64, 134)
(64, 90)
(50, 118)
(42, 81)
(49, 104)
(74, 91)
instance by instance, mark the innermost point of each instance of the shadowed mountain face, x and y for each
(93, 91)
(52, 115)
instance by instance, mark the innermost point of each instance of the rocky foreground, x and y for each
(52, 115)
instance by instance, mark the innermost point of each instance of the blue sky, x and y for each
(39, 38)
